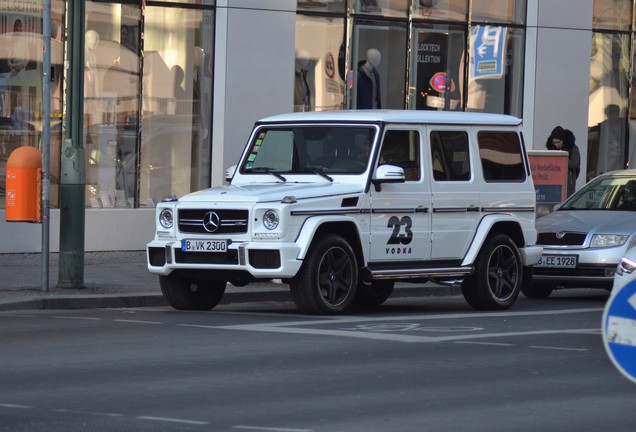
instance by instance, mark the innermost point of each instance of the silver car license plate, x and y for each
(558, 261)
(203, 245)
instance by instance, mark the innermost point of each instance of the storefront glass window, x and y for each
(495, 75)
(336, 6)
(387, 8)
(111, 104)
(612, 14)
(500, 11)
(377, 73)
(320, 64)
(21, 83)
(607, 119)
(437, 72)
(455, 10)
(177, 95)
(631, 162)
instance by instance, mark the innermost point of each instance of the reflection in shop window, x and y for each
(607, 118)
(499, 11)
(385, 8)
(320, 64)
(336, 6)
(453, 10)
(495, 78)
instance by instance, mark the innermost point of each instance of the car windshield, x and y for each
(318, 150)
(604, 193)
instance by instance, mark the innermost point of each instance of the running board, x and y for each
(420, 273)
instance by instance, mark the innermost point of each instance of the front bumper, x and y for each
(260, 260)
(595, 268)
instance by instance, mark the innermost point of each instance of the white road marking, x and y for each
(172, 420)
(6, 405)
(558, 348)
(302, 327)
(272, 429)
(485, 343)
(136, 321)
(77, 318)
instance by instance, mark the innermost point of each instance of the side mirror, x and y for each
(387, 174)
(229, 173)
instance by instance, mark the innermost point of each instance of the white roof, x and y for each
(398, 116)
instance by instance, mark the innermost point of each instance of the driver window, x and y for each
(401, 148)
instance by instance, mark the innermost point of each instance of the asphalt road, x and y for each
(418, 364)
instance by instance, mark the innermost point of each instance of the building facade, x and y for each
(172, 88)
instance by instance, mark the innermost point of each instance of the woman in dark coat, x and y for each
(563, 139)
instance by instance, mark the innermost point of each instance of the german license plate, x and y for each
(203, 245)
(557, 261)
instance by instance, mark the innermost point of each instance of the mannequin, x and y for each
(302, 90)
(368, 90)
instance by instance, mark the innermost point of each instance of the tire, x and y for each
(327, 281)
(185, 294)
(498, 276)
(373, 294)
(533, 289)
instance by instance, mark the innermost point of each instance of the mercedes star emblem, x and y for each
(211, 221)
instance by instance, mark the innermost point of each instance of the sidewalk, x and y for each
(121, 279)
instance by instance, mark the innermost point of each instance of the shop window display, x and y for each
(376, 75)
(437, 69)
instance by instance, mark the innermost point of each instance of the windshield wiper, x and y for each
(316, 171)
(269, 171)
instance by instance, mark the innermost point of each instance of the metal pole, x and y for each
(73, 165)
(46, 140)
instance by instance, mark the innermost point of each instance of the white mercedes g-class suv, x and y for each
(342, 204)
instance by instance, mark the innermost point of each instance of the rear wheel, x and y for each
(183, 293)
(327, 280)
(497, 280)
(374, 293)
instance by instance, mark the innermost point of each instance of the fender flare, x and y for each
(481, 234)
(312, 224)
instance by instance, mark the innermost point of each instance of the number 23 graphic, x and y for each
(396, 236)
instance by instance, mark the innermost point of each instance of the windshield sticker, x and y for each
(251, 157)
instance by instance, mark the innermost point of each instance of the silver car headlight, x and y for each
(608, 240)
(271, 219)
(166, 218)
(626, 266)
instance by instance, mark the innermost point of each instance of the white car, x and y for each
(585, 238)
(626, 270)
(341, 205)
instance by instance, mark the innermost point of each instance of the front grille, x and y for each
(230, 221)
(569, 239)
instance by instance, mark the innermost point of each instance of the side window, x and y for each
(501, 156)
(402, 148)
(449, 156)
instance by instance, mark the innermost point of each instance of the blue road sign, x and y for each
(619, 330)
(488, 52)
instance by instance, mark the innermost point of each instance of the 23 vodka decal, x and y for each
(397, 236)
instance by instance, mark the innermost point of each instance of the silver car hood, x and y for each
(584, 221)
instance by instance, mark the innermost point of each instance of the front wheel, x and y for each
(186, 294)
(327, 280)
(372, 294)
(498, 275)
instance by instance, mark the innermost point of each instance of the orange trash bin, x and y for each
(23, 185)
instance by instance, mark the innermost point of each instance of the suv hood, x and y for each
(594, 221)
(270, 192)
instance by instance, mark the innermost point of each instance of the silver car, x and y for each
(585, 238)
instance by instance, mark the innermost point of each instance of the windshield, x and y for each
(604, 193)
(325, 149)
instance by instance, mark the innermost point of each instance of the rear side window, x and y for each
(449, 156)
(501, 156)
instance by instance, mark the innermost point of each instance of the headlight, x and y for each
(608, 240)
(270, 219)
(626, 266)
(165, 218)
